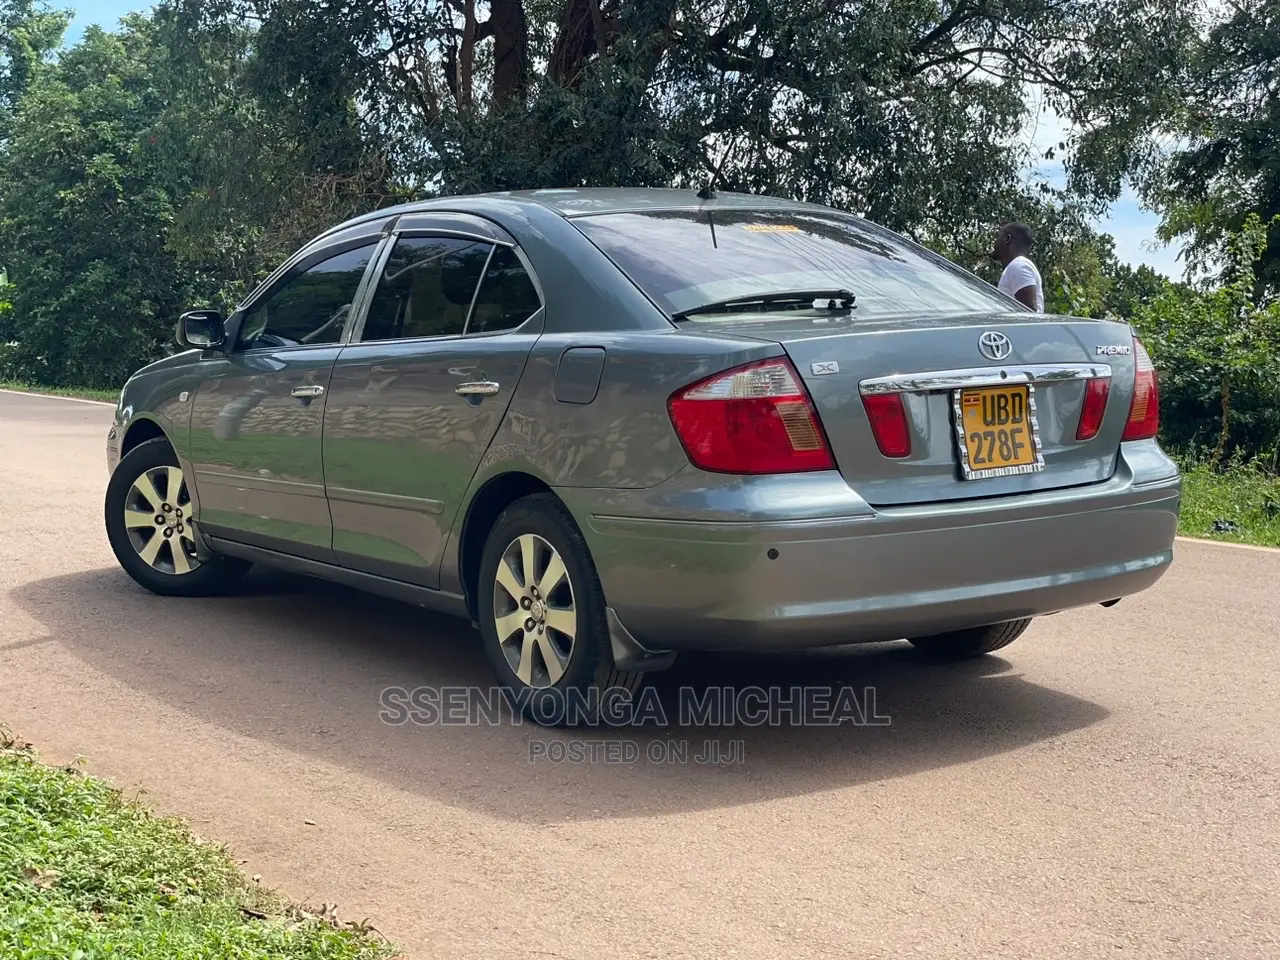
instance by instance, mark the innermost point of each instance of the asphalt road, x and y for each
(1107, 787)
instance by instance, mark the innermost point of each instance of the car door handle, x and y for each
(315, 390)
(478, 388)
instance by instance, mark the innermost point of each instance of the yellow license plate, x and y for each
(999, 435)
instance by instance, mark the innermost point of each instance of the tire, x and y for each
(553, 679)
(974, 642)
(164, 563)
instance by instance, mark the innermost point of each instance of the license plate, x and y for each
(997, 431)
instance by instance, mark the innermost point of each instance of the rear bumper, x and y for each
(862, 574)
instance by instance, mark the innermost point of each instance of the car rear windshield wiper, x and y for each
(835, 300)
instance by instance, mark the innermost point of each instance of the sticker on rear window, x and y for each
(770, 228)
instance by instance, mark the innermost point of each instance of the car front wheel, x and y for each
(962, 644)
(151, 525)
(542, 617)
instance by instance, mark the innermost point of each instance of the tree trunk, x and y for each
(1224, 429)
(510, 50)
(467, 58)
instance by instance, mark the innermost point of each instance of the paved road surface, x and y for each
(1107, 788)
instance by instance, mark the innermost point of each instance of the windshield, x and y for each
(687, 259)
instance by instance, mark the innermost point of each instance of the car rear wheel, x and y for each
(542, 617)
(974, 642)
(151, 525)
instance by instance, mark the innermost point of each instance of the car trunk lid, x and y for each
(1022, 378)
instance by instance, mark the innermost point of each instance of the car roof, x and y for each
(578, 202)
(585, 201)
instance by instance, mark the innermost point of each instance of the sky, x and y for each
(1133, 228)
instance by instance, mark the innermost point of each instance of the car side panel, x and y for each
(401, 446)
(161, 393)
(623, 437)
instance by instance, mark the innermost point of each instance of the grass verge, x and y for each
(80, 393)
(86, 874)
(1243, 502)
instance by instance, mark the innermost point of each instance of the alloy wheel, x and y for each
(159, 518)
(533, 611)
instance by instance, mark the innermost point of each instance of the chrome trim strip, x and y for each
(394, 501)
(940, 380)
(449, 232)
(966, 468)
(268, 484)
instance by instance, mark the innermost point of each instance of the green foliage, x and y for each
(29, 31)
(1218, 352)
(83, 222)
(1230, 167)
(254, 171)
(904, 112)
(86, 875)
(1130, 289)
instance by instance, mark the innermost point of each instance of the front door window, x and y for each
(311, 307)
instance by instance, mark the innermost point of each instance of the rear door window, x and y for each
(507, 297)
(426, 288)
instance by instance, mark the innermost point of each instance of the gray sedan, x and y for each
(607, 426)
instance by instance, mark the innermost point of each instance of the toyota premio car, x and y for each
(607, 426)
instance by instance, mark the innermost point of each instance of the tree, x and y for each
(253, 171)
(902, 111)
(83, 223)
(1230, 167)
(29, 32)
(1131, 289)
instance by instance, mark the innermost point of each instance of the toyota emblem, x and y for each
(994, 346)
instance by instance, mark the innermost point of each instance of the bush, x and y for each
(1218, 353)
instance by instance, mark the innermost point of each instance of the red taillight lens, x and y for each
(752, 419)
(888, 416)
(1144, 412)
(1095, 407)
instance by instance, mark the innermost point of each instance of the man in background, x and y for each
(1020, 280)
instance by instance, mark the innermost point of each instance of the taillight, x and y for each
(1144, 412)
(1096, 392)
(753, 419)
(888, 416)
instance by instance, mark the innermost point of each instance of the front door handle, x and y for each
(479, 388)
(308, 392)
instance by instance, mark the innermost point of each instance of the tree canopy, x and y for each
(1229, 167)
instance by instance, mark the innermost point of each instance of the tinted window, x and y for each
(311, 307)
(687, 259)
(426, 289)
(507, 296)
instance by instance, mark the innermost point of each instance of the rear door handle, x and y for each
(479, 388)
(315, 390)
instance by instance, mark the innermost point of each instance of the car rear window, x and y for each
(686, 259)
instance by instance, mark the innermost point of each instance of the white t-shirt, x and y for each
(1021, 273)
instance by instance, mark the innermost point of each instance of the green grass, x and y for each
(1245, 495)
(88, 875)
(83, 393)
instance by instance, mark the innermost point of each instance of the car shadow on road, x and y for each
(302, 665)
